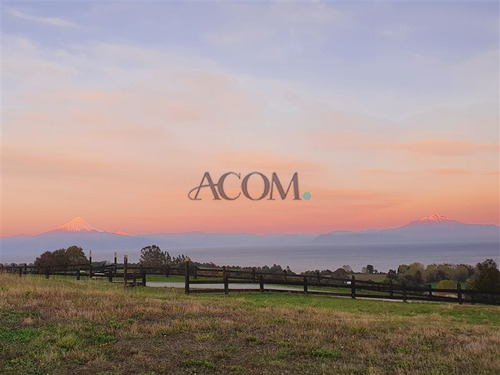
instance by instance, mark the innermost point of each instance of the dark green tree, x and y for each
(486, 278)
(62, 258)
(75, 255)
(418, 277)
(153, 256)
(179, 260)
(45, 260)
(403, 268)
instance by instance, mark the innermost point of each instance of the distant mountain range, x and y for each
(434, 228)
(431, 229)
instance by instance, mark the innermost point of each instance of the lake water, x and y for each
(305, 257)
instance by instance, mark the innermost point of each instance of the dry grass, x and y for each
(91, 327)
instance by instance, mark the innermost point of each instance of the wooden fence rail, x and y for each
(132, 275)
(328, 286)
(312, 284)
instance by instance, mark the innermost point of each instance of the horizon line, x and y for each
(125, 234)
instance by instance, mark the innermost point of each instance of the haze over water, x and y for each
(305, 257)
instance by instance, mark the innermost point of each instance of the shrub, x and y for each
(447, 284)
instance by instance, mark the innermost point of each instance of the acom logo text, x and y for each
(272, 188)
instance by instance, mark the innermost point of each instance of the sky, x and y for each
(388, 111)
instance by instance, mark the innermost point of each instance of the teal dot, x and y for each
(306, 195)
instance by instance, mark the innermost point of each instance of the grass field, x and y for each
(64, 326)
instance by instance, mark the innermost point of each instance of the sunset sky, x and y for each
(113, 112)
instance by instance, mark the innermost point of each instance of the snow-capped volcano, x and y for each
(437, 228)
(76, 225)
(433, 218)
(434, 221)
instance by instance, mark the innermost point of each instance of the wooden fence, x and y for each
(316, 284)
(325, 285)
(132, 274)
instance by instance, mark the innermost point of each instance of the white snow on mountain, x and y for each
(76, 225)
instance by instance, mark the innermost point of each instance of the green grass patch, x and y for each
(23, 334)
(103, 339)
(69, 341)
(474, 314)
(322, 353)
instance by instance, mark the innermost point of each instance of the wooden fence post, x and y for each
(261, 282)
(226, 283)
(25, 268)
(167, 271)
(353, 287)
(404, 292)
(115, 263)
(391, 291)
(459, 293)
(186, 278)
(284, 275)
(125, 269)
(143, 278)
(430, 291)
(78, 274)
(20, 271)
(319, 277)
(224, 277)
(90, 261)
(253, 274)
(110, 276)
(305, 284)
(195, 272)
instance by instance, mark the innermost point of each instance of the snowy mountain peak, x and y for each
(433, 218)
(77, 225)
(434, 221)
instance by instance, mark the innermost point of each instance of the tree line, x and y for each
(485, 276)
